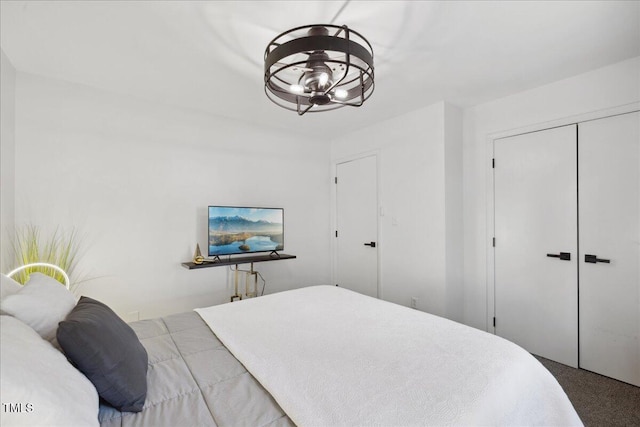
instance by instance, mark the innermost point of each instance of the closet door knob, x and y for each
(592, 259)
(564, 256)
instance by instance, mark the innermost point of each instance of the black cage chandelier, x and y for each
(318, 68)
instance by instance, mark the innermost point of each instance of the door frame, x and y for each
(489, 191)
(334, 215)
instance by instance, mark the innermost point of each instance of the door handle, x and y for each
(592, 259)
(372, 244)
(565, 256)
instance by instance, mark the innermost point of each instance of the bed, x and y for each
(317, 356)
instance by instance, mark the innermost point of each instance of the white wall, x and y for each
(135, 179)
(7, 150)
(413, 163)
(602, 89)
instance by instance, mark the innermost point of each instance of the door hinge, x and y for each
(494, 322)
(335, 179)
(336, 233)
(494, 242)
(493, 163)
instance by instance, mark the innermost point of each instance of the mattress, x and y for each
(193, 380)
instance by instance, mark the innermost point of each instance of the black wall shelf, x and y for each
(237, 260)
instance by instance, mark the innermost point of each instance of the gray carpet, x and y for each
(599, 401)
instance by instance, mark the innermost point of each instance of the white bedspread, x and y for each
(332, 357)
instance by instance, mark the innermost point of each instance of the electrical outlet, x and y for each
(414, 302)
(132, 316)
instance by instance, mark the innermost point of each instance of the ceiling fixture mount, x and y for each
(318, 68)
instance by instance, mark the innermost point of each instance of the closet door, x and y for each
(535, 196)
(609, 198)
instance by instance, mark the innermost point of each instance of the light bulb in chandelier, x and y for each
(323, 80)
(341, 94)
(296, 88)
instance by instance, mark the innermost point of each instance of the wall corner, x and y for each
(7, 158)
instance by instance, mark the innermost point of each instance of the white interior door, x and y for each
(357, 225)
(535, 196)
(609, 197)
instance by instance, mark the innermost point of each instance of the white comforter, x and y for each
(332, 357)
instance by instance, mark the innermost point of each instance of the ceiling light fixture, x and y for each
(308, 70)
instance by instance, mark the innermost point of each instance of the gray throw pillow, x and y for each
(104, 348)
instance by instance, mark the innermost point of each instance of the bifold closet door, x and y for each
(535, 196)
(609, 199)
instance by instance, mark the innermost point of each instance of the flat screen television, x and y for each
(243, 230)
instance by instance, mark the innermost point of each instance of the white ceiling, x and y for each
(208, 55)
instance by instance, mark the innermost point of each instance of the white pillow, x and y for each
(39, 386)
(42, 303)
(8, 286)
